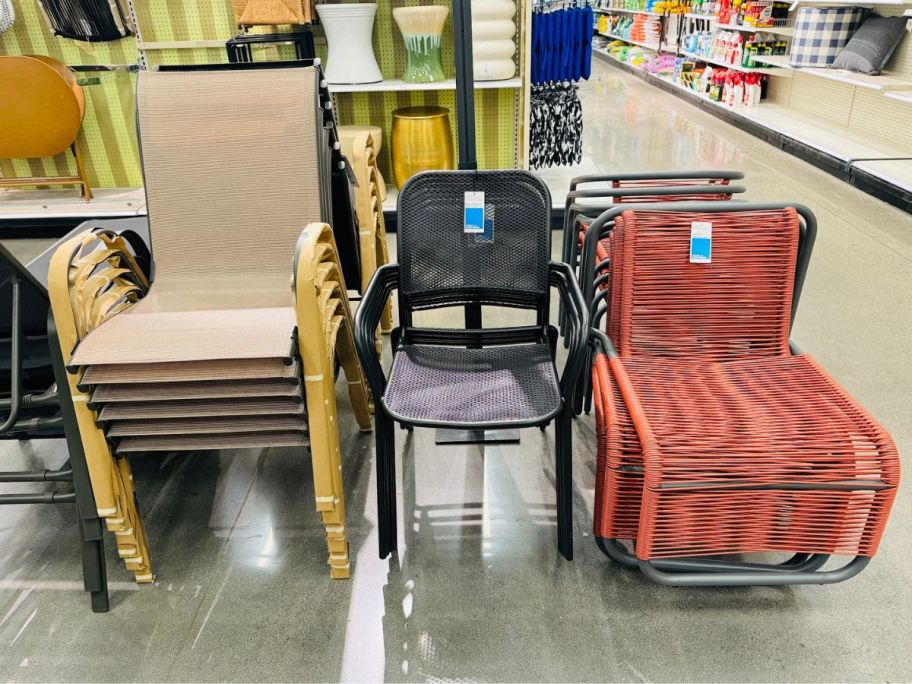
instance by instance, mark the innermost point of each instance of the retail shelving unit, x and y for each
(853, 125)
(651, 46)
(192, 32)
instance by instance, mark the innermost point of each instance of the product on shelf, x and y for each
(420, 141)
(728, 87)
(7, 15)
(273, 12)
(89, 20)
(493, 47)
(730, 47)
(348, 28)
(872, 45)
(821, 32)
(43, 105)
(421, 29)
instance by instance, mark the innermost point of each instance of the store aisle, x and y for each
(479, 591)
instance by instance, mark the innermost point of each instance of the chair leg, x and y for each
(386, 493)
(94, 573)
(581, 388)
(81, 172)
(564, 483)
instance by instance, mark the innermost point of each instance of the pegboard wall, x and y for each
(497, 111)
(861, 110)
(108, 137)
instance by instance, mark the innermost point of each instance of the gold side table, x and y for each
(420, 141)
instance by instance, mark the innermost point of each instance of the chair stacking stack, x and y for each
(591, 257)
(360, 149)
(217, 352)
(714, 436)
(583, 205)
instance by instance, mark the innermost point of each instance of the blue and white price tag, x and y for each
(474, 221)
(701, 237)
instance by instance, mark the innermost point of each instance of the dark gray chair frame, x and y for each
(801, 568)
(388, 278)
(75, 470)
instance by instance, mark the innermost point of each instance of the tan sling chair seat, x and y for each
(235, 336)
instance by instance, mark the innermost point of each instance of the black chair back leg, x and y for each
(564, 482)
(385, 432)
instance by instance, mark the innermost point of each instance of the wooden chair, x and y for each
(41, 101)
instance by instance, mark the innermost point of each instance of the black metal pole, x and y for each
(465, 83)
(465, 109)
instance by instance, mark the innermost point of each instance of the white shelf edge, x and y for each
(608, 10)
(785, 73)
(855, 79)
(775, 30)
(397, 85)
(780, 61)
(704, 17)
(849, 3)
(648, 46)
(900, 95)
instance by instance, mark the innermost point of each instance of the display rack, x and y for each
(839, 140)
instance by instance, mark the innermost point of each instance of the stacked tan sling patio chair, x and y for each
(360, 148)
(234, 342)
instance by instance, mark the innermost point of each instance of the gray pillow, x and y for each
(872, 45)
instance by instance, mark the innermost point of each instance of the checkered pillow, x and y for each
(820, 33)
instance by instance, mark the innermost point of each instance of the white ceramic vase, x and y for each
(493, 47)
(348, 28)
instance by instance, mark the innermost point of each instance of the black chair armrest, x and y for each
(577, 318)
(602, 343)
(367, 318)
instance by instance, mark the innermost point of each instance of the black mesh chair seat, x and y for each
(509, 385)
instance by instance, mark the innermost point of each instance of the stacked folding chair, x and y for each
(217, 352)
(715, 437)
(360, 149)
(582, 206)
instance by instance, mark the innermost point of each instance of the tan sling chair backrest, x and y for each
(211, 148)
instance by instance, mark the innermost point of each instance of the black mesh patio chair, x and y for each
(472, 378)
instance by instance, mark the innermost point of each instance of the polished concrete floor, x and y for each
(478, 591)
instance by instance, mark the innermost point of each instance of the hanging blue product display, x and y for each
(561, 56)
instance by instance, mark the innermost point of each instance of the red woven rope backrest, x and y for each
(671, 182)
(736, 306)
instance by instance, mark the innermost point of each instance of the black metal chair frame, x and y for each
(367, 318)
(801, 568)
(239, 47)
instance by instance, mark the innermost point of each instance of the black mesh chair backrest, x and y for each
(442, 265)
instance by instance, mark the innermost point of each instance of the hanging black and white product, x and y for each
(556, 126)
(89, 20)
(561, 55)
(7, 15)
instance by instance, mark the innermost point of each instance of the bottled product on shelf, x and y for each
(744, 13)
(731, 47)
(725, 86)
